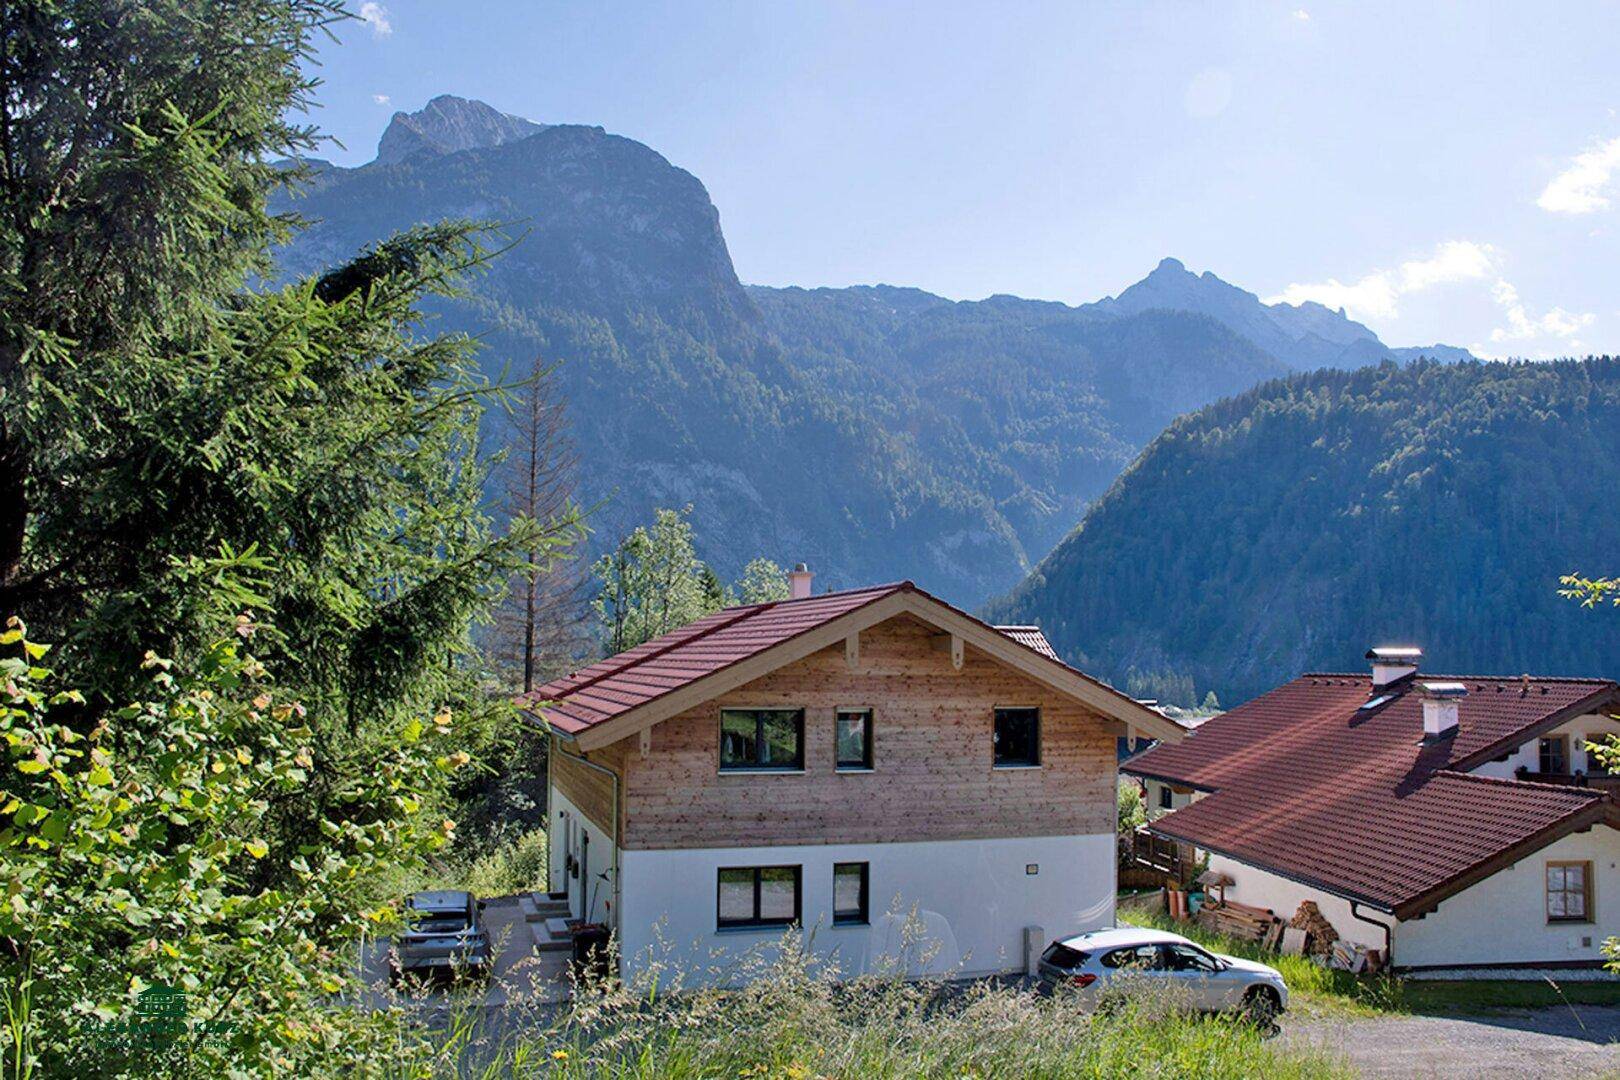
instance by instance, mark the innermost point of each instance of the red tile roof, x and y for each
(1031, 636)
(1306, 784)
(713, 643)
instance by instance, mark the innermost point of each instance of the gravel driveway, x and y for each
(1580, 1040)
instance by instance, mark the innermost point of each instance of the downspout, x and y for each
(581, 759)
(1355, 913)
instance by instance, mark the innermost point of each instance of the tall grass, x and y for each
(790, 1017)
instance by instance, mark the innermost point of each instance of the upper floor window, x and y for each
(1018, 737)
(761, 739)
(1594, 763)
(1166, 799)
(1569, 892)
(854, 738)
(1555, 754)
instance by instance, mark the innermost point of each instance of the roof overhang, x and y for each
(1603, 697)
(1600, 811)
(1054, 674)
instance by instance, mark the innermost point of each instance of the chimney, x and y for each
(1392, 663)
(1440, 708)
(799, 582)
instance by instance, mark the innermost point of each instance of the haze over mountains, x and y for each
(876, 432)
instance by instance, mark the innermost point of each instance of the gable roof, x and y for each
(1031, 636)
(1310, 786)
(618, 696)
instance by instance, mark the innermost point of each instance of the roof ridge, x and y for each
(1513, 782)
(887, 585)
(1596, 680)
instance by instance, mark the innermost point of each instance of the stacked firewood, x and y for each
(1240, 921)
(1319, 933)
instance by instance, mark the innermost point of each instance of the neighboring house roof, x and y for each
(1310, 786)
(1031, 636)
(618, 696)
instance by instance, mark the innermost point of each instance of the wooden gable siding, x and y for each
(932, 777)
(587, 788)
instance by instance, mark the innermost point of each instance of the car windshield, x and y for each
(438, 920)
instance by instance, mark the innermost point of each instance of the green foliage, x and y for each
(653, 582)
(138, 855)
(1291, 527)
(1132, 812)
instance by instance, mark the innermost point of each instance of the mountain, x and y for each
(1292, 526)
(1303, 336)
(879, 433)
(447, 124)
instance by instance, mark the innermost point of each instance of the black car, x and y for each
(445, 935)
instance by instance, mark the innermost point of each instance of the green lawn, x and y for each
(1323, 991)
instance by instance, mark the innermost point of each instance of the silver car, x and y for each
(445, 935)
(1129, 957)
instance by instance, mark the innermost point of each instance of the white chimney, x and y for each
(1440, 708)
(1392, 662)
(799, 582)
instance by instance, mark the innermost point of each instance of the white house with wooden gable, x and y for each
(856, 764)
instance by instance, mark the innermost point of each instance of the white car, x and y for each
(1130, 958)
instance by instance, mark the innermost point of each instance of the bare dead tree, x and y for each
(544, 624)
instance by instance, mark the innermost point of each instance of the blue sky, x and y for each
(1449, 173)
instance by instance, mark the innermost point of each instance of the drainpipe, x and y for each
(615, 834)
(1355, 913)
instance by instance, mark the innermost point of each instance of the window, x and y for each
(1135, 958)
(1187, 958)
(758, 896)
(1555, 754)
(1018, 737)
(761, 739)
(1569, 892)
(1166, 799)
(854, 738)
(1594, 764)
(849, 893)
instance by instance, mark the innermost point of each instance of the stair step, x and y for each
(527, 907)
(557, 927)
(545, 941)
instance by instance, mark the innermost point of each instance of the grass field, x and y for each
(1324, 991)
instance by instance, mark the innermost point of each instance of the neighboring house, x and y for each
(837, 762)
(1455, 820)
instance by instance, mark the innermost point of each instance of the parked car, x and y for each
(1128, 957)
(445, 935)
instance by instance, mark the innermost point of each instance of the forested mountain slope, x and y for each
(877, 433)
(1290, 527)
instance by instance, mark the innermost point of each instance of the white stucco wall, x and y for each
(591, 899)
(1155, 792)
(1259, 888)
(972, 899)
(1503, 919)
(1529, 753)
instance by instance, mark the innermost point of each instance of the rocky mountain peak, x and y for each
(448, 124)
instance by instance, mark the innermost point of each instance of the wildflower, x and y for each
(559, 1055)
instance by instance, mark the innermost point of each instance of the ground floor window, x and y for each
(758, 896)
(1569, 892)
(849, 893)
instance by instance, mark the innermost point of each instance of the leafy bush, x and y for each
(518, 865)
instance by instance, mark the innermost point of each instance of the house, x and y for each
(846, 763)
(1454, 820)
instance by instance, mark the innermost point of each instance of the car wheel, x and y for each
(1261, 1006)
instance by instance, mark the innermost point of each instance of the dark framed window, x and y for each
(758, 896)
(849, 893)
(1166, 799)
(854, 738)
(1594, 764)
(1569, 892)
(1018, 737)
(761, 739)
(1555, 754)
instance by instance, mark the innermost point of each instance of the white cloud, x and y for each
(1302, 15)
(1522, 326)
(1579, 189)
(380, 99)
(376, 16)
(1377, 294)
